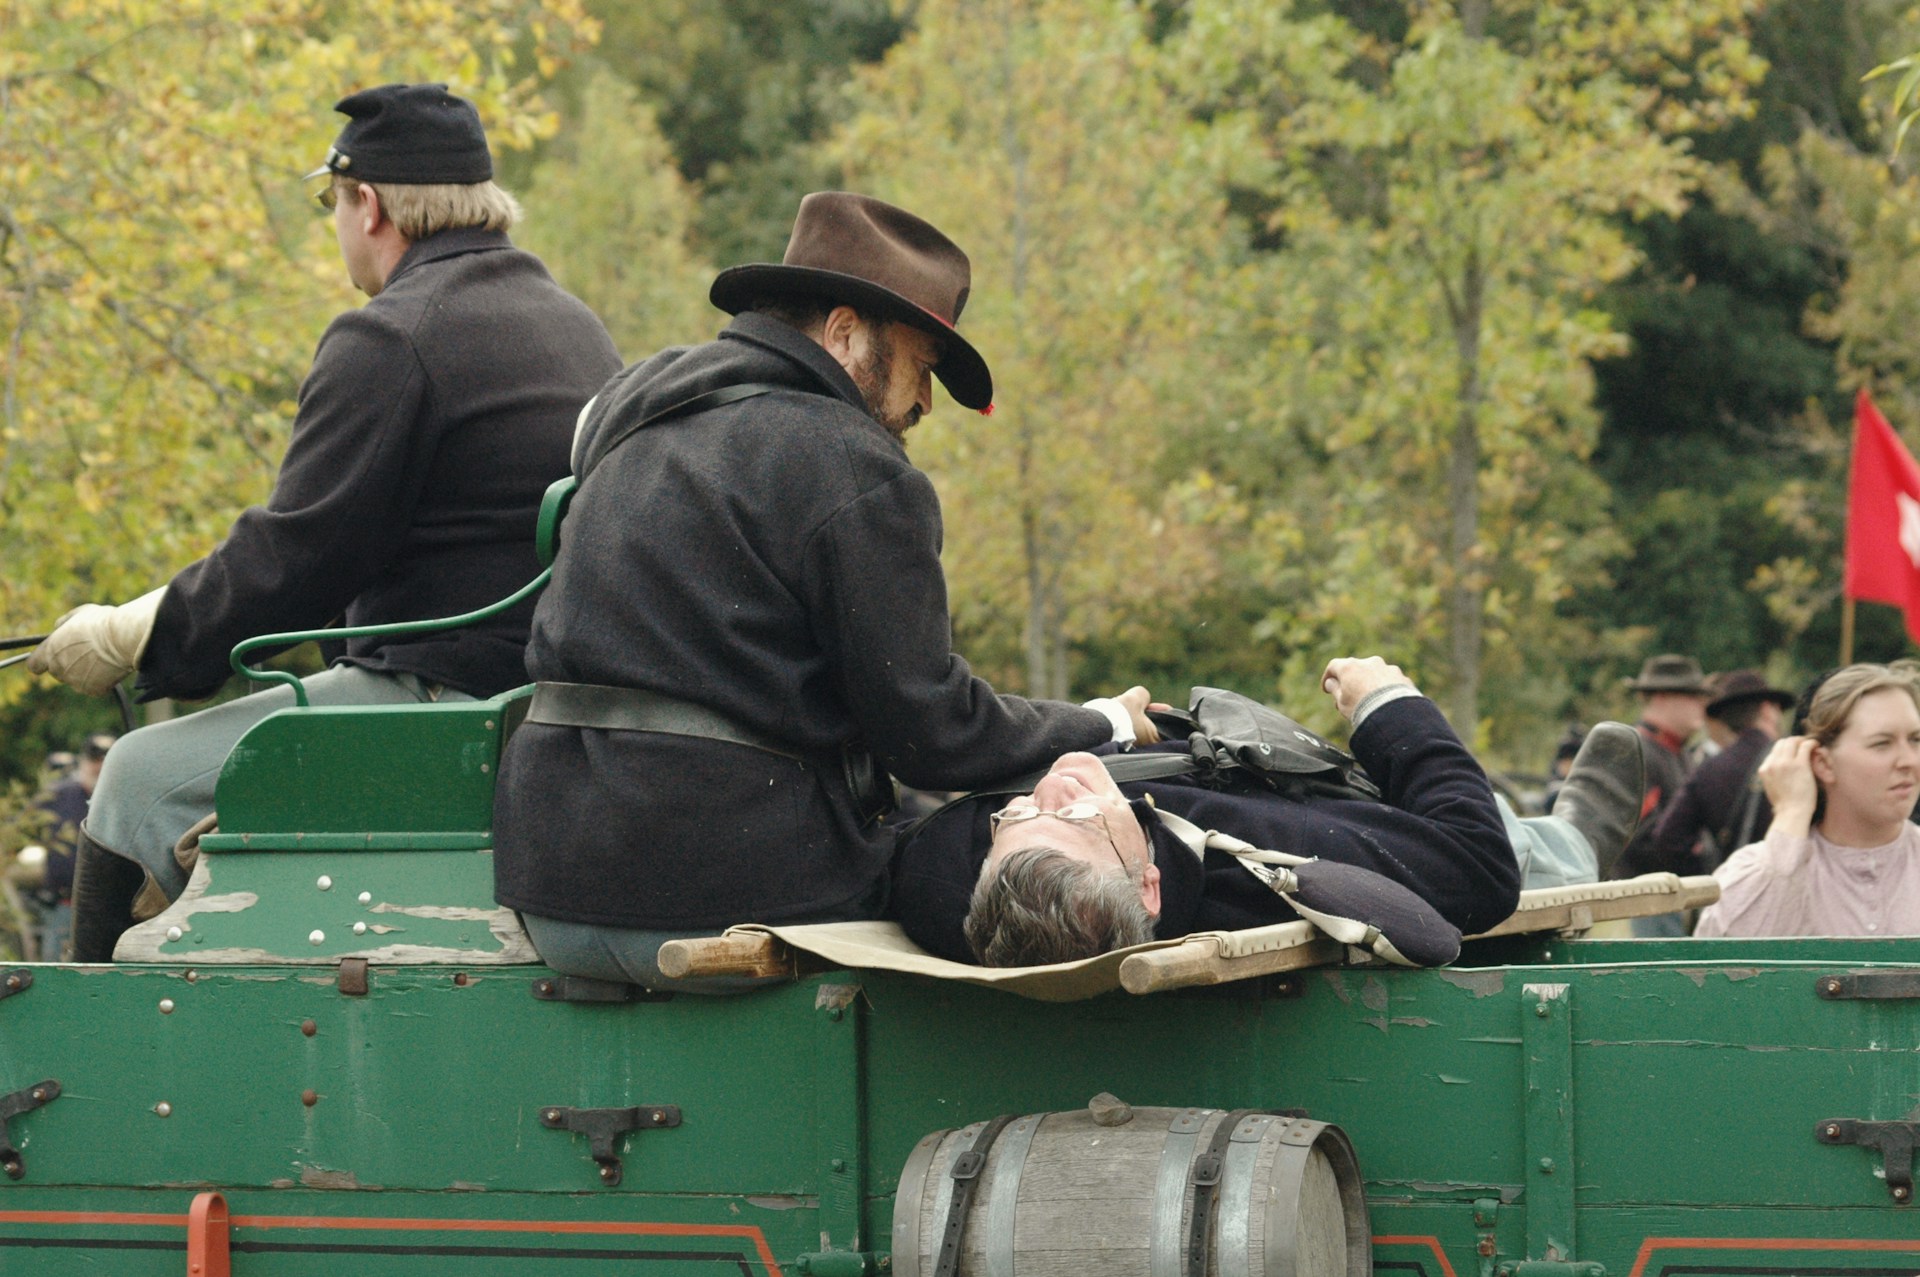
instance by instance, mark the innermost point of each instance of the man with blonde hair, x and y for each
(431, 423)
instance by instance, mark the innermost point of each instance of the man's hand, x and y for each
(1350, 680)
(1136, 701)
(1787, 776)
(94, 647)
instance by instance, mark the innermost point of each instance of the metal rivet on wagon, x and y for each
(173, 933)
(325, 883)
(359, 928)
(163, 1109)
(317, 937)
(309, 1028)
(309, 1098)
(366, 897)
(166, 1006)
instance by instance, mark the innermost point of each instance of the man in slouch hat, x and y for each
(1723, 799)
(747, 628)
(1673, 696)
(429, 427)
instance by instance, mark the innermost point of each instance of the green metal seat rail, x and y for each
(240, 651)
(546, 536)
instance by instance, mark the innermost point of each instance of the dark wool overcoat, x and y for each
(776, 560)
(431, 423)
(1712, 801)
(1438, 833)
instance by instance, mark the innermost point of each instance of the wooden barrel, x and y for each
(1112, 1191)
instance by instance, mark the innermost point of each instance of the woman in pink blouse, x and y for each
(1841, 857)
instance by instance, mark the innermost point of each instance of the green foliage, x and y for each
(1511, 340)
(1039, 137)
(741, 89)
(613, 219)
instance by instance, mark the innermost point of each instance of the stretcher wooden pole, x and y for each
(745, 955)
(1199, 962)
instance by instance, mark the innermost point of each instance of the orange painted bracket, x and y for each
(208, 1232)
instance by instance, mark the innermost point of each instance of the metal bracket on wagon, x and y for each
(1875, 986)
(604, 1127)
(1895, 1140)
(573, 988)
(18, 980)
(12, 1106)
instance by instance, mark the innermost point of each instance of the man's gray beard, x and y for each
(872, 376)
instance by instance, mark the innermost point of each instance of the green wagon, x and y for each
(336, 1055)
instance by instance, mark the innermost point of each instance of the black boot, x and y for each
(104, 886)
(1604, 791)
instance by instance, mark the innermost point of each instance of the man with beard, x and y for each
(747, 626)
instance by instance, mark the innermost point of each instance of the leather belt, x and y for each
(633, 709)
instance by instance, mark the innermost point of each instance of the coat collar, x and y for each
(792, 344)
(453, 243)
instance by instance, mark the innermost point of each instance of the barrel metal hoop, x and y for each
(907, 1200)
(1003, 1197)
(1205, 1178)
(965, 1174)
(1287, 1182)
(1234, 1241)
(1170, 1191)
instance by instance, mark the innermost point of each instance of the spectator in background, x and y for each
(1841, 857)
(64, 807)
(1673, 706)
(1723, 799)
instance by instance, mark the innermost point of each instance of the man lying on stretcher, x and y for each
(1083, 864)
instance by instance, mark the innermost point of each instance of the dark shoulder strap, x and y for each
(699, 403)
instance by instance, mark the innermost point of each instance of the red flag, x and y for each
(1883, 517)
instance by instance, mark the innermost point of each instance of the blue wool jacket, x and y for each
(1438, 833)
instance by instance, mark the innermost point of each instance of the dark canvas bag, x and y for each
(1235, 742)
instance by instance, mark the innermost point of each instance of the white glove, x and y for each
(94, 647)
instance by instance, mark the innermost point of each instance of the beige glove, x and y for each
(94, 647)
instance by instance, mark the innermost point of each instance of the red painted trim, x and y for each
(125, 1219)
(376, 1223)
(1446, 1267)
(1652, 1244)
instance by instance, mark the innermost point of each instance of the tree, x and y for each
(613, 219)
(163, 279)
(1444, 201)
(1039, 136)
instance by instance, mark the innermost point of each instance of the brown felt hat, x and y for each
(1738, 686)
(861, 251)
(1671, 674)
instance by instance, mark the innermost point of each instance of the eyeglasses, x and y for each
(1084, 812)
(327, 196)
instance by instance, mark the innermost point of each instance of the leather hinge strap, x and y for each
(633, 709)
(965, 1174)
(1206, 1189)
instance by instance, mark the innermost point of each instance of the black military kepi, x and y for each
(409, 135)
